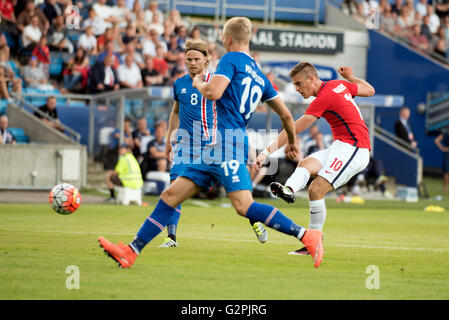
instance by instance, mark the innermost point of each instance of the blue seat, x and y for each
(19, 135)
(56, 67)
(3, 107)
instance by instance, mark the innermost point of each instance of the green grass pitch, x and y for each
(219, 256)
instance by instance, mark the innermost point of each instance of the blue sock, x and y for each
(173, 223)
(274, 218)
(153, 225)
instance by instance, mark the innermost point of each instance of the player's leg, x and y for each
(307, 167)
(272, 217)
(112, 180)
(172, 225)
(181, 190)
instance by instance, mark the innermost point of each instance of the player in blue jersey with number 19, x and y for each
(237, 87)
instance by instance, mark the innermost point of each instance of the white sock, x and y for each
(298, 180)
(317, 214)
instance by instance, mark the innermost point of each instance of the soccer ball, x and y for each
(64, 198)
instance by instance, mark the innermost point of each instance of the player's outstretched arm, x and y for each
(173, 124)
(212, 90)
(364, 88)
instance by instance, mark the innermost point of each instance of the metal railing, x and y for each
(75, 136)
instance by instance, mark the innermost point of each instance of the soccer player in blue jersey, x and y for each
(237, 87)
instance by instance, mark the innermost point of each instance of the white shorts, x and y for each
(341, 161)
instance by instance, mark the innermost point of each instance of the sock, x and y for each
(298, 180)
(317, 214)
(112, 192)
(173, 223)
(274, 218)
(152, 226)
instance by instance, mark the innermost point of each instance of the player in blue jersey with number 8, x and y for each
(237, 86)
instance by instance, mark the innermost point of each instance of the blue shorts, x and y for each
(234, 176)
(176, 170)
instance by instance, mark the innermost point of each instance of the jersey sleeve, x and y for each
(226, 67)
(352, 87)
(269, 93)
(317, 107)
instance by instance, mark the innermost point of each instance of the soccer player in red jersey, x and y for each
(349, 152)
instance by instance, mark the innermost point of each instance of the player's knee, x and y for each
(240, 207)
(316, 191)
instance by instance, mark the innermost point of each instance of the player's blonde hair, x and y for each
(239, 29)
(304, 67)
(198, 45)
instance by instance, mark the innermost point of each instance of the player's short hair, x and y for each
(198, 45)
(239, 28)
(304, 67)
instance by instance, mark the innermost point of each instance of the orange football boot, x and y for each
(313, 240)
(123, 254)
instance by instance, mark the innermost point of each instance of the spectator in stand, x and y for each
(31, 34)
(140, 25)
(105, 12)
(57, 36)
(160, 65)
(441, 50)
(96, 22)
(24, 18)
(388, 23)
(442, 142)
(50, 109)
(442, 9)
(421, 7)
(153, 10)
(131, 50)
(404, 21)
(410, 7)
(195, 34)
(131, 4)
(110, 52)
(76, 72)
(156, 25)
(136, 7)
(137, 135)
(7, 11)
(150, 76)
(169, 28)
(180, 67)
(88, 42)
(271, 78)
(173, 50)
(182, 36)
(150, 42)
(446, 27)
(42, 53)
(425, 29)
(7, 76)
(318, 143)
(112, 153)
(403, 129)
(213, 63)
(4, 48)
(107, 36)
(52, 9)
(417, 39)
(34, 75)
(129, 74)
(6, 136)
(368, 7)
(103, 76)
(174, 16)
(396, 7)
(434, 20)
(417, 19)
(121, 14)
(156, 159)
(130, 36)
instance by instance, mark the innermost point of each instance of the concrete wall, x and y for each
(38, 166)
(34, 127)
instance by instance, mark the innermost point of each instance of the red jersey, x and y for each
(335, 103)
(7, 9)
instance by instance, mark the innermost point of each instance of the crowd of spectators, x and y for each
(424, 24)
(119, 44)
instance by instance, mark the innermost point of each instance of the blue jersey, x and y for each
(248, 86)
(197, 121)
